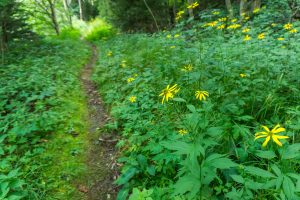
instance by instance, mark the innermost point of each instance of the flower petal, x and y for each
(266, 128)
(278, 130)
(282, 137)
(261, 133)
(275, 128)
(275, 139)
(260, 136)
(266, 141)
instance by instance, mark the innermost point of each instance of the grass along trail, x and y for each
(101, 153)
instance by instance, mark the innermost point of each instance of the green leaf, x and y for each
(238, 179)
(179, 99)
(187, 183)
(258, 172)
(191, 108)
(217, 161)
(151, 170)
(124, 178)
(276, 169)
(265, 154)
(122, 194)
(292, 151)
(288, 187)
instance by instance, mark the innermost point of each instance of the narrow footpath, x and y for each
(101, 154)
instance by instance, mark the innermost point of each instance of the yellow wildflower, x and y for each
(176, 35)
(234, 20)
(194, 5)
(183, 132)
(247, 38)
(187, 68)
(179, 15)
(172, 47)
(201, 95)
(168, 93)
(293, 31)
(273, 24)
(256, 10)
(129, 80)
(288, 26)
(123, 64)
(132, 99)
(169, 36)
(243, 75)
(215, 12)
(271, 134)
(234, 26)
(223, 19)
(246, 18)
(109, 53)
(261, 36)
(246, 30)
(280, 38)
(222, 26)
(212, 24)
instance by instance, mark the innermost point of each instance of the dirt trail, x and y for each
(101, 153)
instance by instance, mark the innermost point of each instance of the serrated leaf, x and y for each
(124, 178)
(238, 179)
(258, 172)
(265, 154)
(288, 187)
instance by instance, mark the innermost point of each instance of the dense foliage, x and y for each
(39, 95)
(209, 112)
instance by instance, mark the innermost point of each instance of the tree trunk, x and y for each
(191, 14)
(68, 12)
(229, 8)
(243, 8)
(256, 4)
(53, 16)
(80, 10)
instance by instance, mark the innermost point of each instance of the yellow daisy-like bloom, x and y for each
(129, 80)
(172, 47)
(194, 5)
(187, 68)
(288, 26)
(132, 99)
(215, 12)
(234, 26)
(293, 31)
(176, 35)
(246, 30)
(201, 95)
(212, 24)
(271, 134)
(222, 26)
(280, 38)
(168, 36)
(223, 19)
(246, 18)
(233, 20)
(183, 132)
(243, 75)
(261, 36)
(109, 53)
(247, 38)
(256, 10)
(179, 15)
(168, 93)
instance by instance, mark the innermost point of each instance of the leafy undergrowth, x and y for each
(42, 119)
(195, 140)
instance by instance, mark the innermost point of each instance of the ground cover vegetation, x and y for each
(41, 101)
(209, 109)
(204, 95)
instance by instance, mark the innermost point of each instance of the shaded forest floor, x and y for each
(101, 154)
